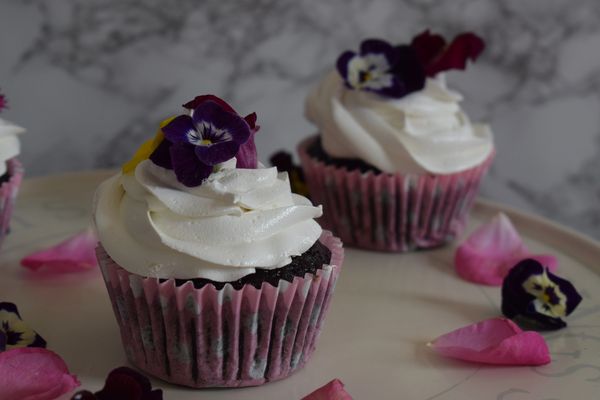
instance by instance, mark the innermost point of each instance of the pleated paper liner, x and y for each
(391, 212)
(8, 195)
(208, 337)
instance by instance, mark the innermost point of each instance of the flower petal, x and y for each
(76, 253)
(251, 121)
(162, 155)
(198, 100)
(14, 332)
(216, 153)
(34, 374)
(466, 46)
(333, 390)
(3, 102)
(491, 250)
(342, 65)
(188, 169)
(178, 129)
(408, 71)
(127, 384)
(428, 46)
(536, 298)
(494, 341)
(211, 113)
(246, 155)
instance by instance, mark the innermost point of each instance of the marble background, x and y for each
(90, 79)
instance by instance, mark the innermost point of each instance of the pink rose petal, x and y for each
(34, 374)
(494, 341)
(333, 390)
(76, 253)
(492, 250)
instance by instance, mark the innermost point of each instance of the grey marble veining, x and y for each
(90, 79)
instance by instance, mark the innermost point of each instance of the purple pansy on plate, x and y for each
(379, 67)
(123, 383)
(14, 332)
(535, 297)
(211, 134)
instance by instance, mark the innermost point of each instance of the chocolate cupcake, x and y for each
(397, 163)
(218, 274)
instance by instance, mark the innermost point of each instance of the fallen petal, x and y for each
(34, 374)
(125, 383)
(76, 253)
(333, 390)
(14, 332)
(536, 298)
(496, 341)
(492, 250)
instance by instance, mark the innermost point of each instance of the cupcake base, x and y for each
(390, 212)
(225, 337)
(8, 194)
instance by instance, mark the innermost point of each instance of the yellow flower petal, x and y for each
(16, 325)
(146, 149)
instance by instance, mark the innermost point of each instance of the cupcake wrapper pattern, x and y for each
(391, 212)
(8, 195)
(208, 337)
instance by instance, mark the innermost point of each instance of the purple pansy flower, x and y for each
(123, 383)
(14, 332)
(534, 296)
(211, 134)
(379, 67)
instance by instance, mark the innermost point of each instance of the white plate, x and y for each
(385, 309)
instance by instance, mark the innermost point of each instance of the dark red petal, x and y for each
(246, 155)
(127, 384)
(3, 102)
(466, 46)
(251, 121)
(428, 46)
(192, 104)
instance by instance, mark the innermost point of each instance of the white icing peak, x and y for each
(425, 131)
(9, 143)
(236, 221)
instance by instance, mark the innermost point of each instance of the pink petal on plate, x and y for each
(333, 390)
(30, 373)
(494, 341)
(492, 250)
(76, 253)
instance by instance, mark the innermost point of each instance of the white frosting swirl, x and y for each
(425, 131)
(236, 221)
(9, 143)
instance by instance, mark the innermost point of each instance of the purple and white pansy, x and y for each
(536, 297)
(379, 67)
(211, 134)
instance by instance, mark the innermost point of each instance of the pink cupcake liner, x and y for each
(208, 337)
(8, 195)
(391, 212)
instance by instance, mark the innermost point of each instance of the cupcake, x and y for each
(218, 274)
(397, 163)
(11, 172)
